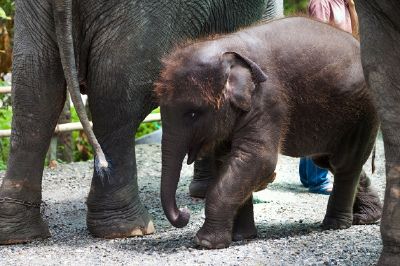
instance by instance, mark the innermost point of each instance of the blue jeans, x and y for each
(311, 176)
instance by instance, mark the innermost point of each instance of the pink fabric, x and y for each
(334, 12)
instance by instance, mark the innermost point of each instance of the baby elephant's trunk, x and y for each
(173, 153)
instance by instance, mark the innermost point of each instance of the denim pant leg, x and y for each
(311, 175)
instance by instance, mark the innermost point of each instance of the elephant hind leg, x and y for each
(367, 208)
(114, 206)
(339, 213)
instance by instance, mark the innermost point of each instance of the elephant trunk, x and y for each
(63, 21)
(172, 158)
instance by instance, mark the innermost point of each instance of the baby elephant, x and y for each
(292, 86)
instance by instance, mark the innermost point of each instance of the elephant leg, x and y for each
(340, 205)
(114, 206)
(380, 35)
(367, 208)
(202, 177)
(229, 198)
(244, 227)
(38, 97)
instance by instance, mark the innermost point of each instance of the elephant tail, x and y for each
(63, 22)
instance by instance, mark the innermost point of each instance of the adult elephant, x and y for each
(380, 52)
(111, 50)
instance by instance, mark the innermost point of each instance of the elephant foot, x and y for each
(367, 207)
(390, 256)
(21, 224)
(244, 233)
(119, 223)
(213, 239)
(335, 223)
(198, 187)
(117, 214)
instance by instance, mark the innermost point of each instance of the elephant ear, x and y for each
(243, 76)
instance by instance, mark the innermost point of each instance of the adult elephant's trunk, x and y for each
(63, 23)
(173, 153)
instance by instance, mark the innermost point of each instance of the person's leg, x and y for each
(314, 177)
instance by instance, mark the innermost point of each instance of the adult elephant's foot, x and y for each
(202, 177)
(213, 239)
(335, 222)
(117, 214)
(390, 256)
(367, 207)
(21, 224)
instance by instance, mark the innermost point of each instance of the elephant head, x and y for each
(201, 95)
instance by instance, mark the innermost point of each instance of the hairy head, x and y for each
(203, 88)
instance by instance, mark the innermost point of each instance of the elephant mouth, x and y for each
(193, 153)
(198, 151)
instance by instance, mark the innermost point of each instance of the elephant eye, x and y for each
(192, 115)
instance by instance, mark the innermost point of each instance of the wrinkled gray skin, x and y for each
(293, 86)
(380, 52)
(115, 46)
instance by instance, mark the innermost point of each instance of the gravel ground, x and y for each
(287, 218)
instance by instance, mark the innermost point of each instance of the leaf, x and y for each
(3, 14)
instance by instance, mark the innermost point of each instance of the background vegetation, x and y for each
(80, 147)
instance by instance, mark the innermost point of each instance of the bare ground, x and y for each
(287, 218)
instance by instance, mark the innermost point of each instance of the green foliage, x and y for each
(293, 7)
(5, 123)
(7, 9)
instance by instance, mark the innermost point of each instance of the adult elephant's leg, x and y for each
(380, 36)
(38, 97)
(114, 207)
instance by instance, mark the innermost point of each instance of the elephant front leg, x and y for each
(38, 98)
(390, 225)
(230, 197)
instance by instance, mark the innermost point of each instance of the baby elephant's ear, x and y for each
(243, 75)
